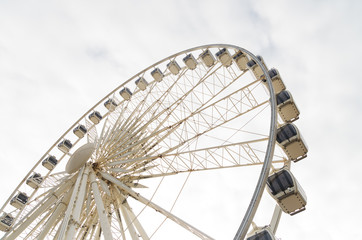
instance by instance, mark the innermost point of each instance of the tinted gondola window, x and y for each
(282, 97)
(220, 52)
(22, 198)
(65, 143)
(251, 63)
(286, 132)
(272, 73)
(280, 181)
(36, 177)
(239, 54)
(98, 115)
(207, 58)
(264, 235)
(82, 128)
(52, 160)
(289, 130)
(157, 74)
(8, 220)
(110, 104)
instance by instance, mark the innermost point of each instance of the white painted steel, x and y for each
(156, 207)
(131, 229)
(58, 211)
(137, 224)
(274, 223)
(78, 206)
(74, 196)
(106, 229)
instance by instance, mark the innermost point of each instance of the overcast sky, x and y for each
(58, 58)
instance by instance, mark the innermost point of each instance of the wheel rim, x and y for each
(184, 115)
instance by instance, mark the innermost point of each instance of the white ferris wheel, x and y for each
(206, 109)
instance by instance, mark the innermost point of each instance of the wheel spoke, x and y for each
(221, 156)
(127, 218)
(100, 207)
(159, 209)
(131, 217)
(61, 206)
(78, 206)
(115, 200)
(68, 213)
(209, 115)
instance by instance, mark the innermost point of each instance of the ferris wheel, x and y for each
(205, 109)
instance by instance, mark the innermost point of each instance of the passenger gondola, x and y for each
(6, 222)
(110, 104)
(65, 146)
(80, 131)
(34, 180)
(207, 58)
(285, 189)
(287, 108)
(19, 200)
(241, 60)
(50, 162)
(292, 142)
(190, 61)
(224, 57)
(255, 68)
(126, 93)
(95, 117)
(278, 84)
(157, 74)
(173, 67)
(141, 83)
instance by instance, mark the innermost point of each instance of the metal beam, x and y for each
(106, 228)
(276, 218)
(58, 211)
(78, 206)
(159, 209)
(66, 218)
(133, 218)
(131, 229)
(116, 207)
(135, 221)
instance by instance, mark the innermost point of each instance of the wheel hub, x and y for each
(79, 157)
